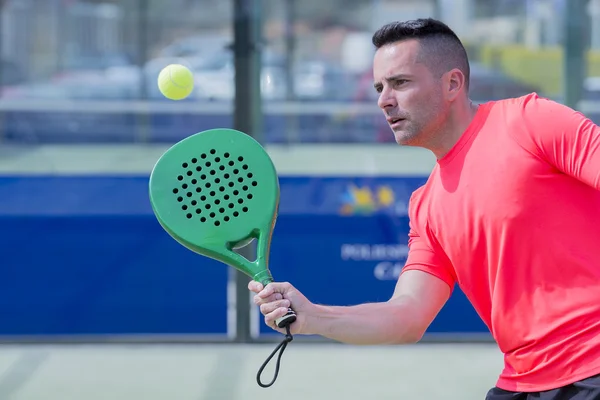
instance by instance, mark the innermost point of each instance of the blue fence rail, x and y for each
(86, 256)
(162, 122)
(85, 121)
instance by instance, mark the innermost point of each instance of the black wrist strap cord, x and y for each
(288, 338)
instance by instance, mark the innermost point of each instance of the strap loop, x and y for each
(288, 338)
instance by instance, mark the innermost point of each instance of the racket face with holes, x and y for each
(215, 191)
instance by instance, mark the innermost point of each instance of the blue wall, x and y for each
(85, 255)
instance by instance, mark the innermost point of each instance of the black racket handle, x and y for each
(287, 319)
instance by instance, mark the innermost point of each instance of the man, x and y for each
(510, 213)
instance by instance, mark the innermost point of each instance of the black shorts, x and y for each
(587, 389)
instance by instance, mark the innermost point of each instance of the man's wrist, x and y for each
(316, 319)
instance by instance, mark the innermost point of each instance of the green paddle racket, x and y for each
(214, 192)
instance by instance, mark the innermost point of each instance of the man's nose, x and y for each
(386, 100)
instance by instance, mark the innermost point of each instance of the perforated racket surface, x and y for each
(214, 192)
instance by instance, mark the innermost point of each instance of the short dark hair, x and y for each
(441, 48)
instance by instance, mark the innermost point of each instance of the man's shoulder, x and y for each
(420, 196)
(522, 116)
(529, 116)
(523, 103)
(417, 196)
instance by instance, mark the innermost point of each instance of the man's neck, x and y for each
(458, 122)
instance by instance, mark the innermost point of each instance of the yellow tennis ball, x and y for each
(175, 82)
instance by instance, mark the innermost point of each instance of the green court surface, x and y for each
(228, 372)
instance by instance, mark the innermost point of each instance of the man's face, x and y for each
(409, 94)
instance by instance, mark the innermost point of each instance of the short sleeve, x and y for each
(563, 137)
(423, 252)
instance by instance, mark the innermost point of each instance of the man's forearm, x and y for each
(366, 324)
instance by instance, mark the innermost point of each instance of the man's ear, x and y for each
(454, 83)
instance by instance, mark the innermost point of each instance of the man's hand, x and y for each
(274, 300)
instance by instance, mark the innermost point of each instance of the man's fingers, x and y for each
(275, 287)
(255, 287)
(276, 314)
(274, 297)
(270, 307)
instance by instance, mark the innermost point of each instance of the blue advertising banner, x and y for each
(358, 244)
(85, 255)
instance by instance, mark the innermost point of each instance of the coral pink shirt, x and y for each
(512, 215)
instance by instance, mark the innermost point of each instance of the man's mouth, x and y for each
(394, 121)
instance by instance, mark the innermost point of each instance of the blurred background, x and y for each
(97, 301)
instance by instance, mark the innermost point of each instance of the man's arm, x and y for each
(422, 289)
(565, 138)
(417, 299)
